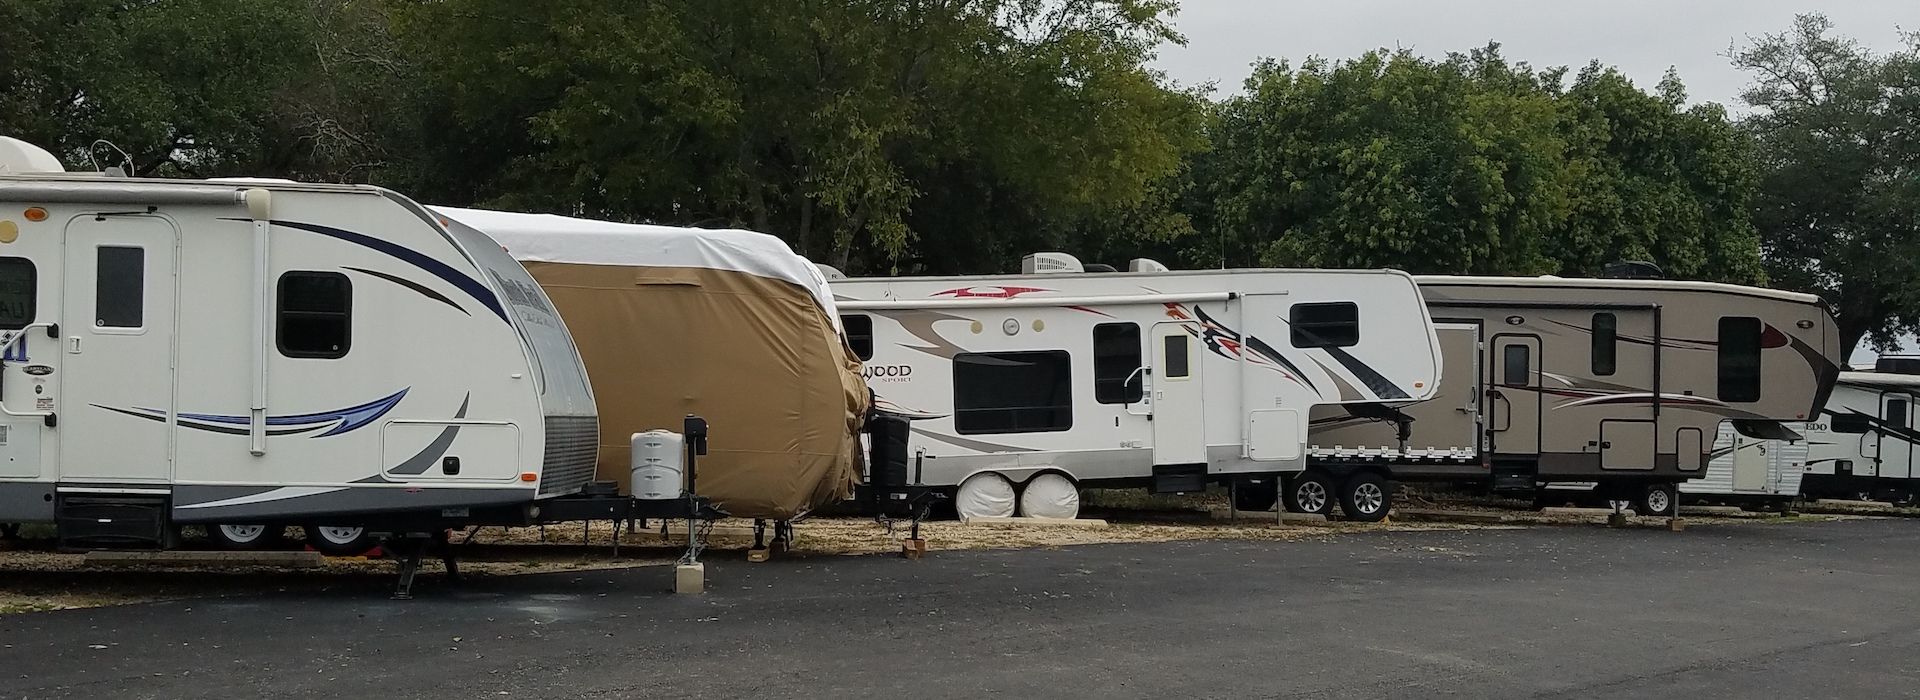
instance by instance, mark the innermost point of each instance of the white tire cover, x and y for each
(1050, 496)
(984, 495)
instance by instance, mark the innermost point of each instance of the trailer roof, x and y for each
(1125, 274)
(1598, 283)
(563, 239)
(159, 187)
(1880, 379)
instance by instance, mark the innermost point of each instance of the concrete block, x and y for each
(1676, 524)
(292, 560)
(690, 578)
(1044, 522)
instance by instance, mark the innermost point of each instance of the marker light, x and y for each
(36, 214)
(529, 477)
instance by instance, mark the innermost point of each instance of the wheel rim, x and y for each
(243, 534)
(1863, 496)
(1312, 496)
(1657, 500)
(340, 535)
(1368, 498)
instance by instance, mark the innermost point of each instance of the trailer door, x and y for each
(1896, 447)
(116, 340)
(1179, 418)
(1515, 404)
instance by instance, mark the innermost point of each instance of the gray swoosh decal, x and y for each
(427, 458)
(974, 445)
(415, 286)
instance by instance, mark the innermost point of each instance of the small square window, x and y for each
(315, 315)
(119, 287)
(859, 330)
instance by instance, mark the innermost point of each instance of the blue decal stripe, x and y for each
(348, 419)
(471, 286)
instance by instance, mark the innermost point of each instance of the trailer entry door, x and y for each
(1179, 421)
(116, 405)
(1515, 408)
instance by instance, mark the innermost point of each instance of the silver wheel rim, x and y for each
(1311, 495)
(1620, 505)
(1657, 500)
(340, 535)
(1368, 498)
(244, 534)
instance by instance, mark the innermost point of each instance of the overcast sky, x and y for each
(1642, 37)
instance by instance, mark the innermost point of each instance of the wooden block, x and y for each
(759, 554)
(913, 548)
(1676, 524)
(690, 578)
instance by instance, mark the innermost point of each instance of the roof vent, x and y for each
(830, 272)
(17, 157)
(1050, 263)
(1896, 364)
(1632, 270)
(1146, 265)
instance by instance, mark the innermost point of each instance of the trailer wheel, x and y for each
(1904, 498)
(1310, 492)
(339, 540)
(1364, 497)
(244, 536)
(1256, 496)
(985, 495)
(1050, 496)
(1867, 496)
(1657, 500)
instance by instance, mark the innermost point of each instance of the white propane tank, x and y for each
(659, 472)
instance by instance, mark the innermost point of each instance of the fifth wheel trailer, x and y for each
(1622, 383)
(1863, 445)
(1026, 387)
(264, 353)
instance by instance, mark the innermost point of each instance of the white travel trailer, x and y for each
(1026, 387)
(1862, 447)
(1749, 471)
(256, 353)
(1742, 470)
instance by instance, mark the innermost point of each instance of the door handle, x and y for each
(73, 345)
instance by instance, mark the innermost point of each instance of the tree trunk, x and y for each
(804, 239)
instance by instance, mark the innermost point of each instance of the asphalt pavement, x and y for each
(1734, 610)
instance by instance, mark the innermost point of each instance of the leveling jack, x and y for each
(411, 548)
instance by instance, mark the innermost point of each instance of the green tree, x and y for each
(182, 87)
(1837, 133)
(879, 134)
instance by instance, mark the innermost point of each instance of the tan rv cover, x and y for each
(725, 324)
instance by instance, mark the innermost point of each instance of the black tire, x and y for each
(339, 540)
(1904, 498)
(1657, 500)
(245, 536)
(1309, 492)
(1257, 496)
(1364, 497)
(1867, 496)
(9, 531)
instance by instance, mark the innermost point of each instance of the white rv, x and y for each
(1862, 447)
(1026, 387)
(262, 353)
(1742, 470)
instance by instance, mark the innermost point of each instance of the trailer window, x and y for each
(1335, 325)
(19, 284)
(1012, 392)
(1897, 413)
(1116, 363)
(1740, 359)
(1517, 365)
(1175, 355)
(119, 287)
(1606, 331)
(1852, 423)
(859, 329)
(315, 315)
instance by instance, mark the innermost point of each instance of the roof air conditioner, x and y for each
(1146, 265)
(1050, 263)
(18, 156)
